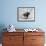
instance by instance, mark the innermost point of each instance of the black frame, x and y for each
(28, 20)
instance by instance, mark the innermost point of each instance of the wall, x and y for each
(9, 13)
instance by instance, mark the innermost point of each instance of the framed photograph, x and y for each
(26, 14)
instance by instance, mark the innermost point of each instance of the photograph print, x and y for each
(26, 14)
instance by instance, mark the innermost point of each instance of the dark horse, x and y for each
(26, 15)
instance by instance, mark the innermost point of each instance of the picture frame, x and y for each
(26, 14)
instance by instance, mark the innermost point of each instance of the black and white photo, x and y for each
(26, 14)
